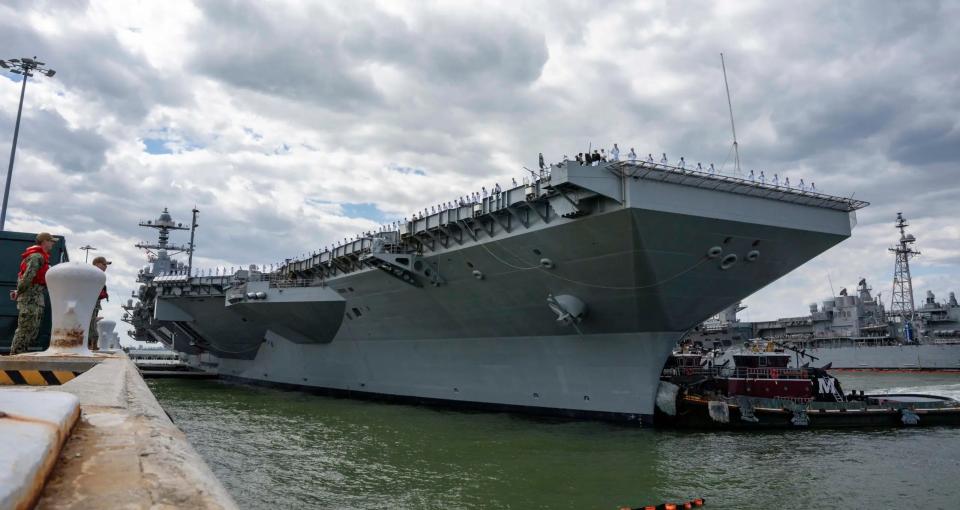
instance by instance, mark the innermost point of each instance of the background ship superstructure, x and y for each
(564, 295)
(855, 330)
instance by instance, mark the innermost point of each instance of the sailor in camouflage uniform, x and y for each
(101, 263)
(29, 294)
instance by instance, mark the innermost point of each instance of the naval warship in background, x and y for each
(854, 331)
(562, 295)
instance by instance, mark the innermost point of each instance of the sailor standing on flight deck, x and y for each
(615, 153)
(31, 281)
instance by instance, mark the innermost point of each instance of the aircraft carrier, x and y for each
(562, 295)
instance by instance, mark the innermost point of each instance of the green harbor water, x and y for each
(281, 449)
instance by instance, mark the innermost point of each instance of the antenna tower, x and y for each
(901, 304)
(736, 147)
(164, 224)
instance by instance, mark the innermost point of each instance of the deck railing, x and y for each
(716, 181)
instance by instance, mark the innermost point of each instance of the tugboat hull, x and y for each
(698, 412)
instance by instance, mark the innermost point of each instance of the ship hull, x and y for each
(611, 376)
(890, 357)
(494, 342)
(207, 321)
(646, 259)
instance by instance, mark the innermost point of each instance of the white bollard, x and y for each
(105, 328)
(74, 288)
(116, 341)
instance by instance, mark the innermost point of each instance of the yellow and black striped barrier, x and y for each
(10, 377)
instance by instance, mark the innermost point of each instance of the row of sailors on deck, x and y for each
(762, 179)
(463, 201)
(600, 156)
(587, 158)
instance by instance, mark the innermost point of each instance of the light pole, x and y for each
(25, 67)
(87, 249)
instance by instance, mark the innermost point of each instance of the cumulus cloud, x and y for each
(291, 126)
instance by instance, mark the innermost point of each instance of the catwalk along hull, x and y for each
(646, 273)
(927, 356)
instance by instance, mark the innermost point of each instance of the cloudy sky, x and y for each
(292, 125)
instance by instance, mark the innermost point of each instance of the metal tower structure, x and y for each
(164, 224)
(162, 263)
(901, 304)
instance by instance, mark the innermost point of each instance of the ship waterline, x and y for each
(568, 299)
(604, 376)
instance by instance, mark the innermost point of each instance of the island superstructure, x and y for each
(564, 295)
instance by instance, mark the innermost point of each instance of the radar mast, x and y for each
(901, 304)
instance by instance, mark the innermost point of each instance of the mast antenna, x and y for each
(733, 128)
(901, 302)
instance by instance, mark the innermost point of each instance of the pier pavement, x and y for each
(86, 432)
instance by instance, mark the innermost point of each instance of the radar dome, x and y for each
(165, 218)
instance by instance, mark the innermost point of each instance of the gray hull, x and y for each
(648, 259)
(592, 375)
(931, 356)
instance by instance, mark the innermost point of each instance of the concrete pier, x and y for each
(122, 452)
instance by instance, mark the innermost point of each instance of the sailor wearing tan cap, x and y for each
(101, 263)
(29, 294)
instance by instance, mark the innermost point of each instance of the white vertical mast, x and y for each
(736, 149)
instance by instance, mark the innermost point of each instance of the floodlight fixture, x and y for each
(23, 66)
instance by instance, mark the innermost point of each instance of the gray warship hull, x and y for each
(923, 356)
(853, 331)
(564, 297)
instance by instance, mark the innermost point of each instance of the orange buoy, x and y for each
(670, 506)
(698, 502)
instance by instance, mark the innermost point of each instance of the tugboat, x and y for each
(761, 390)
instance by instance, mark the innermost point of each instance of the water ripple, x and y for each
(275, 449)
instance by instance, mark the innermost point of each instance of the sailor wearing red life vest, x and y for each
(29, 294)
(94, 335)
